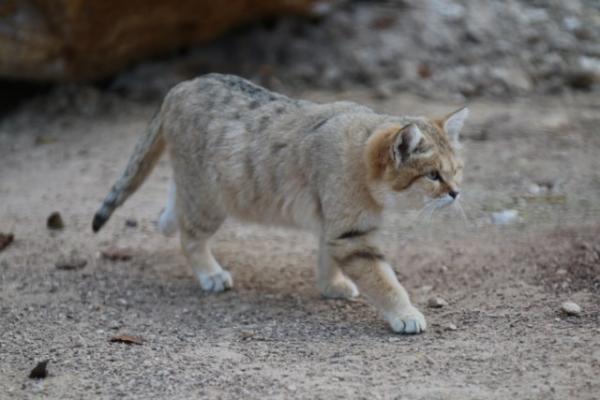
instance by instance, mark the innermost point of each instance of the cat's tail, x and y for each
(145, 156)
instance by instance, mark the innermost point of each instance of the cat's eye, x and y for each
(434, 176)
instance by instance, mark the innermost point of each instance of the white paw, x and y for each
(217, 282)
(340, 289)
(409, 320)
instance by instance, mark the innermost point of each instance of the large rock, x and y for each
(90, 39)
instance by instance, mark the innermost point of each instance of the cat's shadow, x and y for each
(160, 285)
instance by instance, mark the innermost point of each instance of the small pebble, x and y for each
(534, 189)
(55, 221)
(437, 302)
(505, 217)
(561, 271)
(114, 325)
(570, 308)
(5, 240)
(245, 335)
(450, 327)
(131, 223)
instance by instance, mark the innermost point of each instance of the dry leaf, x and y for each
(55, 221)
(39, 371)
(131, 223)
(116, 254)
(383, 22)
(71, 264)
(5, 240)
(124, 338)
(44, 139)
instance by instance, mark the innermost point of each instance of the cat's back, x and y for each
(217, 93)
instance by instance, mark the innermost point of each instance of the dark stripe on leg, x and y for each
(353, 233)
(364, 254)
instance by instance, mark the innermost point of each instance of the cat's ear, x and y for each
(405, 143)
(453, 124)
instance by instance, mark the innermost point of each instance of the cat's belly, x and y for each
(301, 210)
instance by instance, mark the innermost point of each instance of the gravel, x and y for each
(453, 48)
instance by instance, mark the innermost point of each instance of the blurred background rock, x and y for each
(434, 48)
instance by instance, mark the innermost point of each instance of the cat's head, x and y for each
(420, 156)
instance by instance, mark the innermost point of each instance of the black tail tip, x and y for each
(99, 221)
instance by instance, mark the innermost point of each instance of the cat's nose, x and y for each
(453, 193)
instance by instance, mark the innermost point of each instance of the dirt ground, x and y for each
(273, 336)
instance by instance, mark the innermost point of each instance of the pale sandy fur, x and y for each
(238, 150)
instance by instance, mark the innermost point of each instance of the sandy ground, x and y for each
(273, 336)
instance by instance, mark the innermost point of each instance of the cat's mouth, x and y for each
(433, 204)
(440, 202)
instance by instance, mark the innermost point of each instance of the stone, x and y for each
(570, 308)
(505, 217)
(437, 302)
(5, 240)
(450, 327)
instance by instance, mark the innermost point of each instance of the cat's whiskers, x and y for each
(430, 207)
(461, 211)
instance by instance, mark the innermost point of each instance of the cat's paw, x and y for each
(340, 289)
(409, 320)
(217, 282)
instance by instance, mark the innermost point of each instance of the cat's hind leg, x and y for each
(198, 219)
(167, 222)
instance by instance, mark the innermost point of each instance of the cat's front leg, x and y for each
(331, 280)
(366, 266)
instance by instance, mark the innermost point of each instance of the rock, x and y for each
(44, 139)
(71, 263)
(534, 189)
(55, 221)
(505, 217)
(114, 325)
(450, 327)
(571, 23)
(535, 15)
(513, 78)
(82, 40)
(131, 223)
(245, 335)
(5, 240)
(383, 92)
(570, 308)
(426, 288)
(40, 371)
(437, 302)
(585, 74)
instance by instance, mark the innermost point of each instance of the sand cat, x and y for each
(239, 150)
